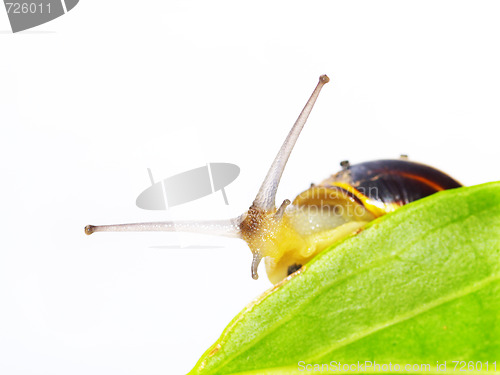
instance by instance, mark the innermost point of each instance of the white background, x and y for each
(90, 100)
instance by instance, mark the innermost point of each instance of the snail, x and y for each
(290, 235)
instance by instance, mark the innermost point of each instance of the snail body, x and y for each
(289, 236)
(337, 207)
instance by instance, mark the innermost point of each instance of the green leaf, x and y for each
(417, 286)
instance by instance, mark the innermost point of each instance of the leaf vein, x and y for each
(411, 314)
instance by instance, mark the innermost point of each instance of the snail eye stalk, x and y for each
(262, 218)
(225, 228)
(266, 196)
